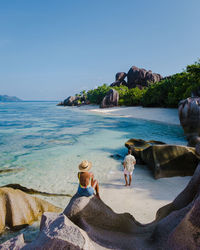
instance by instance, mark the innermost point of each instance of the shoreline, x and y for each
(145, 195)
(138, 112)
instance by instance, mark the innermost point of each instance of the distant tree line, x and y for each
(166, 93)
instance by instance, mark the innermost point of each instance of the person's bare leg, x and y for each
(125, 176)
(95, 185)
(130, 179)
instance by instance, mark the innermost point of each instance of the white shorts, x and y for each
(126, 172)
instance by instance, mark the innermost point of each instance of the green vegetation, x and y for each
(166, 93)
(169, 91)
(95, 96)
(127, 97)
(130, 97)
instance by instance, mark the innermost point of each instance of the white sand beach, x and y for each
(152, 114)
(146, 195)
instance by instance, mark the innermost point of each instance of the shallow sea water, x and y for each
(45, 143)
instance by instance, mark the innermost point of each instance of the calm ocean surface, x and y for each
(45, 143)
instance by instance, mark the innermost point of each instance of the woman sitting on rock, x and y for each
(87, 184)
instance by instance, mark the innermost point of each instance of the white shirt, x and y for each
(129, 162)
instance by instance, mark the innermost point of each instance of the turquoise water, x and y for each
(45, 143)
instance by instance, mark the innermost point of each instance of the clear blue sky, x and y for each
(52, 49)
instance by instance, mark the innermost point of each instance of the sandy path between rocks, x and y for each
(145, 196)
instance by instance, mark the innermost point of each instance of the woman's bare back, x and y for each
(85, 178)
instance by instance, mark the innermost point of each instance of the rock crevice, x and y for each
(88, 223)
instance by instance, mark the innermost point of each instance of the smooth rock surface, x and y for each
(120, 76)
(69, 101)
(111, 99)
(119, 79)
(58, 232)
(164, 160)
(74, 101)
(197, 150)
(170, 160)
(177, 225)
(122, 231)
(104, 226)
(189, 115)
(141, 77)
(19, 209)
(138, 145)
(15, 243)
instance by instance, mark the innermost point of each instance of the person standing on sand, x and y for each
(129, 162)
(87, 184)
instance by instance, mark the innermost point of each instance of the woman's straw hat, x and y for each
(85, 166)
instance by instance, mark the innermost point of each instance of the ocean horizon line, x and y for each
(32, 101)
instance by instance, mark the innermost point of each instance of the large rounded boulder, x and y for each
(138, 145)
(69, 101)
(119, 79)
(189, 115)
(111, 99)
(88, 223)
(19, 209)
(163, 159)
(120, 76)
(170, 160)
(141, 77)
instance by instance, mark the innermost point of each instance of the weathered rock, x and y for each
(141, 77)
(33, 191)
(122, 231)
(120, 76)
(190, 193)
(15, 243)
(111, 99)
(193, 140)
(164, 160)
(75, 101)
(119, 79)
(177, 226)
(187, 234)
(104, 226)
(138, 145)
(197, 149)
(19, 209)
(60, 104)
(69, 101)
(170, 160)
(189, 115)
(58, 232)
